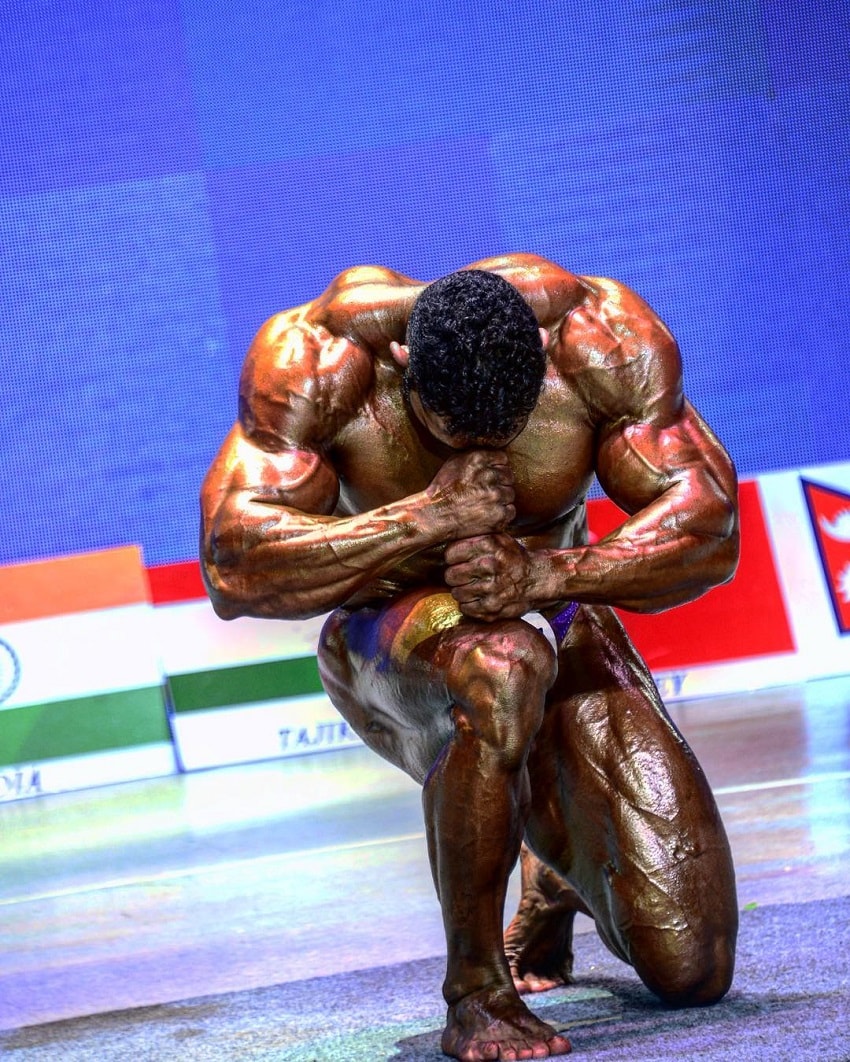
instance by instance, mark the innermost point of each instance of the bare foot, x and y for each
(539, 947)
(493, 1023)
(539, 940)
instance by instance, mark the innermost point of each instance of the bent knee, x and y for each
(686, 971)
(511, 658)
(499, 680)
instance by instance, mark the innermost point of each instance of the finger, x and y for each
(502, 471)
(458, 575)
(508, 516)
(504, 481)
(495, 459)
(473, 572)
(471, 606)
(478, 609)
(468, 597)
(466, 549)
(483, 569)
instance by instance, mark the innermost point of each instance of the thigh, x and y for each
(383, 671)
(407, 675)
(622, 808)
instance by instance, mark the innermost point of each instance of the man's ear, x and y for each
(400, 353)
(544, 337)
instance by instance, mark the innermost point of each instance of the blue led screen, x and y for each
(172, 173)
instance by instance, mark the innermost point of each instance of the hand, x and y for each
(490, 576)
(474, 493)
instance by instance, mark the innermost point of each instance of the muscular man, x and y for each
(416, 459)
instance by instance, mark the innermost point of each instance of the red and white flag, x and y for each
(829, 510)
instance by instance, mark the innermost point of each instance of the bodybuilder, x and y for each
(414, 459)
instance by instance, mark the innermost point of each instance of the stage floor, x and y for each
(268, 873)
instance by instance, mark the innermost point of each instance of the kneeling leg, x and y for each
(623, 811)
(457, 705)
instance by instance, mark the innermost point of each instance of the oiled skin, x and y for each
(332, 493)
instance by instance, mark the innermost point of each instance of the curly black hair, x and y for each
(476, 357)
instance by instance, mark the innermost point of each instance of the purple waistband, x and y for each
(560, 623)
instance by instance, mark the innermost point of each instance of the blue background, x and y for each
(171, 174)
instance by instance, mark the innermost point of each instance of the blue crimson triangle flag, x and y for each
(829, 510)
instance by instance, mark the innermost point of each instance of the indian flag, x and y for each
(81, 694)
(240, 690)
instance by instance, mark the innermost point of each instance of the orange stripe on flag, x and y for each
(81, 583)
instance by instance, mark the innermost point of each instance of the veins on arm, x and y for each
(672, 477)
(657, 459)
(271, 544)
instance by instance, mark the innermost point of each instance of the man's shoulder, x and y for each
(548, 288)
(618, 299)
(296, 342)
(367, 304)
(612, 326)
(301, 381)
(620, 355)
(518, 262)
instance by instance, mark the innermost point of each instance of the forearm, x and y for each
(264, 560)
(666, 555)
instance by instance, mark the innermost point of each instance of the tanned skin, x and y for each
(332, 493)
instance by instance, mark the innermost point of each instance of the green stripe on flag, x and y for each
(119, 720)
(246, 684)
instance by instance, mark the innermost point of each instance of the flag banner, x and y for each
(829, 512)
(81, 689)
(68, 773)
(744, 619)
(241, 733)
(243, 689)
(736, 637)
(809, 517)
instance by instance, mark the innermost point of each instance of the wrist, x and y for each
(547, 584)
(432, 519)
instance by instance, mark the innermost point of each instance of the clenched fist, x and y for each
(490, 576)
(473, 493)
